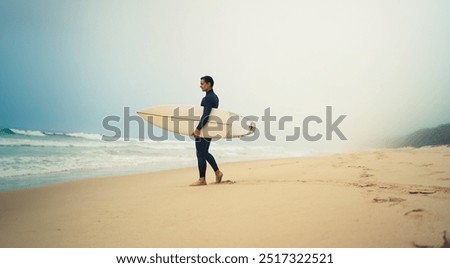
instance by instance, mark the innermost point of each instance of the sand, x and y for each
(381, 198)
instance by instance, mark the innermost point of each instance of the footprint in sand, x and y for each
(415, 213)
(365, 175)
(225, 182)
(364, 168)
(422, 191)
(366, 184)
(395, 200)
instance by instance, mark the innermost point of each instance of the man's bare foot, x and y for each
(219, 176)
(198, 183)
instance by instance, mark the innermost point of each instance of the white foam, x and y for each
(39, 165)
(48, 143)
(88, 136)
(28, 132)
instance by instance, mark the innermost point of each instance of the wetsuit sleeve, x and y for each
(207, 107)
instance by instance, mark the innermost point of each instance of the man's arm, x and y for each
(208, 105)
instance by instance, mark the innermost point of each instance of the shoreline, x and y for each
(41, 180)
(126, 171)
(377, 198)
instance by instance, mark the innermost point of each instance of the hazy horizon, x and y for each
(66, 65)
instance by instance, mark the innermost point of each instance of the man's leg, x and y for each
(212, 162)
(201, 151)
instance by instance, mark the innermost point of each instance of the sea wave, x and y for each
(44, 143)
(70, 142)
(6, 131)
(22, 132)
(38, 133)
(87, 136)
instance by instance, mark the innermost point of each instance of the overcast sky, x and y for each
(65, 65)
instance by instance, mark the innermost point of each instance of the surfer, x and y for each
(202, 144)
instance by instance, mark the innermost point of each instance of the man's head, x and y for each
(206, 83)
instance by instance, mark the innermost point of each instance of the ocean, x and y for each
(31, 158)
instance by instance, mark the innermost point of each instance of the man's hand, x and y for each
(196, 133)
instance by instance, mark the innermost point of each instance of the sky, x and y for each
(66, 65)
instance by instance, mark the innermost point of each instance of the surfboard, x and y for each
(183, 119)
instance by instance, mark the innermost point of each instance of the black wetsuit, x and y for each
(202, 144)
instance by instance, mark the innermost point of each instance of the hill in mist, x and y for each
(439, 135)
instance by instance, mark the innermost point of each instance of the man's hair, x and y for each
(208, 79)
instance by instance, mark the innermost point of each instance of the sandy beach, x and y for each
(380, 198)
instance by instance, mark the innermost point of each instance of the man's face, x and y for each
(204, 86)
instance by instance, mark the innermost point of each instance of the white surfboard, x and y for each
(183, 119)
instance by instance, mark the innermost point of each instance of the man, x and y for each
(202, 144)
